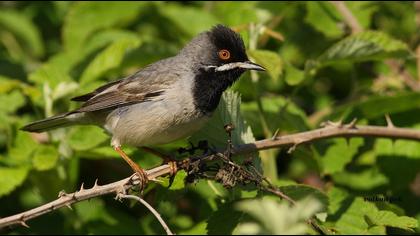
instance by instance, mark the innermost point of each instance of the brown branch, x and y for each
(67, 199)
(330, 130)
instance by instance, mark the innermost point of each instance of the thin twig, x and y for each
(329, 131)
(151, 209)
(349, 18)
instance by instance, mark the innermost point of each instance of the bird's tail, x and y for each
(49, 123)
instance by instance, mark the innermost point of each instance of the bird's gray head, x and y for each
(218, 58)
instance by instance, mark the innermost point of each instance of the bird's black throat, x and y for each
(209, 87)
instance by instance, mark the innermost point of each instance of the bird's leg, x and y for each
(136, 168)
(166, 160)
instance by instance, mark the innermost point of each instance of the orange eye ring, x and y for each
(224, 54)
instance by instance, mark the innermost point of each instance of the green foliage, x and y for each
(316, 70)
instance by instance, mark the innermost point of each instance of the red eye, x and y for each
(224, 54)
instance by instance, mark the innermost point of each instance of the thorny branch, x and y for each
(228, 173)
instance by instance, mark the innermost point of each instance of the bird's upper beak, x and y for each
(247, 65)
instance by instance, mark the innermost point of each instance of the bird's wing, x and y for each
(143, 86)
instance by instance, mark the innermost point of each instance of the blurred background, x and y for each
(325, 61)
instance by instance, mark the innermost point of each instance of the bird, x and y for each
(167, 100)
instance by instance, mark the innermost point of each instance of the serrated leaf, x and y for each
(271, 61)
(45, 158)
(228, 112)
(187, 21)
(339, 154)
(278, 218)
(108, 59)
(369, 45)
(86, 137)
(11, 178)
(299, 191)
(85, 18)
(24, 28)
(388, 218)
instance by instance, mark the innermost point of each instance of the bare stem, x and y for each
(151, 209)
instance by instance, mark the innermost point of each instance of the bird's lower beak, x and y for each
(249, 65)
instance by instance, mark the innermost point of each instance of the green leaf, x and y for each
(277, 218)
(224, 220)
(324, 17)
(339, 154)
(94, 210)
(22, 149)
(9, 103)
(388, 218)
(271, 61)
(283, 114)
(299, 191)
(228, 112)
(86, 137)
(108, 59)
(293, 76)
(240, 13)
(24, 28)
(369, 45)
(361, 180)
(378, 106)
(178, 182)
(86, 18)
(45, 158)
(54, 71)
(186, 18)
(11, 178)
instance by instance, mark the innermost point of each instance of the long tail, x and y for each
(49, 123)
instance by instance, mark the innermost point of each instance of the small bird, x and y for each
(165, 101)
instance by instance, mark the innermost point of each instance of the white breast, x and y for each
(170, 117)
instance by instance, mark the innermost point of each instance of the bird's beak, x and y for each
(248, 65)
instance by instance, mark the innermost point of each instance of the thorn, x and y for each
(275, 134)
(337, 124)
(352, 124)
(24, 224)
(62, 194)
(96, 184)
(69, 206)
(292, 148)
(389, 121)
(82, 187)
